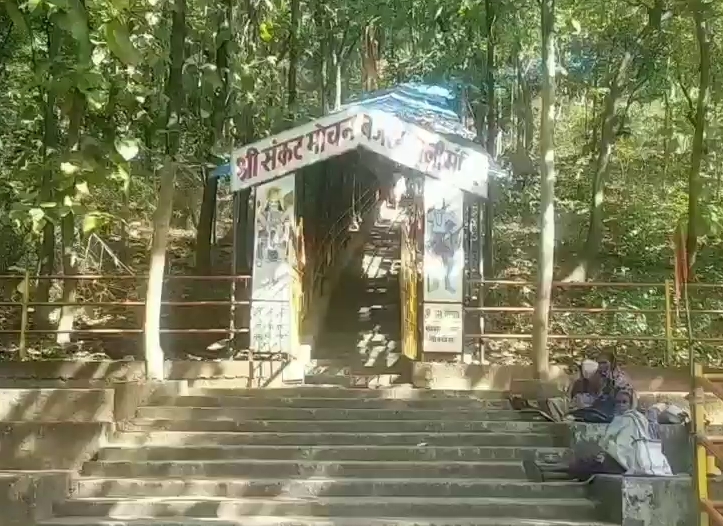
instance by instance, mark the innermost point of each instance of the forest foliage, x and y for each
(100, 100)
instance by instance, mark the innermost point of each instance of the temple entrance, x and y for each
(344, 268)
(402, 297)
(363, 322)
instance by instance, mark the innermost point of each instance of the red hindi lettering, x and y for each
(453, 160)
(290, 151)
(347, 133)
(366, 127)
(247, 166)
(269, 161)
(333, 133)
(432, 154)
(317, 140)
(298, 143)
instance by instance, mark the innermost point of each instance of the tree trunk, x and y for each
(491, 139)
(697, 154)
(540, 317)
(162, 219)
(519, 106)
(490, 83)
(70, 284)
(324, 76)
(370, 57)
(207, 214)
(529, 115)
(125, 247)
(336, 62)
(204, 232)
(67, 225)
(618, 84)
(602, 166)
(46, 255)
(293, 58)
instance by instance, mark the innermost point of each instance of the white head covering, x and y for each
(588, 368)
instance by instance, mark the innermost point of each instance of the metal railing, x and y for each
(27, 305)
(708, 449)
(661, 296)
(325, 257)
(707, 452)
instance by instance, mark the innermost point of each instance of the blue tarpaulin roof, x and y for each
(437, 107)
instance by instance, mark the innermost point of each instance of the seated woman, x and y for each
(612, 377)
(624, 449)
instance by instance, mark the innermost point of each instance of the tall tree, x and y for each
(545, 262)
(222, 44)
(702, 35)
(80, 52)
(164, 209)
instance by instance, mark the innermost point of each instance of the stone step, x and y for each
(239, 488)
(312, 521)
(231, 438)
(340, 415)
(340, 426)
(328, 402)
(336, 380)
(333, 453)
(328, 506)
(303, 469)
(403, 392)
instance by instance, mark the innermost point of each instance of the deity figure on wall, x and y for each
(274, 227)
(444, 240)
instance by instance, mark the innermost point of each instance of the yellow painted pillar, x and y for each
(700, 469)
(409, 288)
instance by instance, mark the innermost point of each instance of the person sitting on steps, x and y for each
(592, 397)
(628, 446)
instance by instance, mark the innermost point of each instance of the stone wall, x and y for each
(645, 501)
(29, 497)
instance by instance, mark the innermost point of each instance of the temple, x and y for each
(316, 193)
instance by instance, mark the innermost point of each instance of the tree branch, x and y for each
(352, 44)
(342, 40)
(6, 37)
(691, 106)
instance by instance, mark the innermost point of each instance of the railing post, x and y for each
(700, 466)
(22, 345)
(668, 324)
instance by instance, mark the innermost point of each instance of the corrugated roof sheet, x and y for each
(435, 107)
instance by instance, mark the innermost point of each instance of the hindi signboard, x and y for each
(443, 328)
(430, 153)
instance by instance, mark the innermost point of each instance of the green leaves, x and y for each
(36, 214)
(91, 222)
(121, 5)
(127, 148)
(265, 31)
(119, 42)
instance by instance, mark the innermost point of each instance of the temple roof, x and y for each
(436, 107)
(419, 126)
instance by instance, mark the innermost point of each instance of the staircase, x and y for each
(324, 456)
